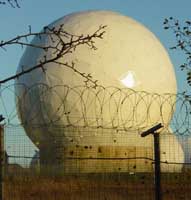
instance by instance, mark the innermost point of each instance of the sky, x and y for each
(39, 13)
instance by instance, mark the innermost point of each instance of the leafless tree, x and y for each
(62, 43)
(182, 33)
(59, 45)
(12, 3)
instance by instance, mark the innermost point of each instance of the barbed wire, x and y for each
(106, 158)
(100, 107)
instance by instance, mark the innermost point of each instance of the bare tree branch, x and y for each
(12, 3)
(62, 43)
(182, 33)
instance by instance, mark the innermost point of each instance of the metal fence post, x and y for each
(158, 194)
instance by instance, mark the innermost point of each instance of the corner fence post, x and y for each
(158, 194)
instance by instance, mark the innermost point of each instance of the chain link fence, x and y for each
(85, 143)
(108, 168)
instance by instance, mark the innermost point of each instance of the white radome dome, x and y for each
(129, 55)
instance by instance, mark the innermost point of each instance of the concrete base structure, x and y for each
(100, 159)
(97, 153)
(107, 151)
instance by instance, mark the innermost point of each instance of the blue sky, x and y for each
(39, 13)
(149, 12)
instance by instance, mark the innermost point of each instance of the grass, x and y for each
(95, 187)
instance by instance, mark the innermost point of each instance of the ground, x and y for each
(96, 187)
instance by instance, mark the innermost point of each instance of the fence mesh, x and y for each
(105, 168)
(85, 143)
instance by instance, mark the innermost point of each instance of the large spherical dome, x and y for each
(128, 56)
